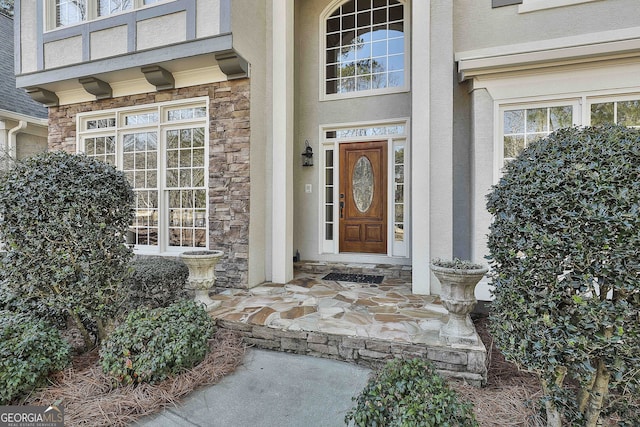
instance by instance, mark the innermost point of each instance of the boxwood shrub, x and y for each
(156, 282)
(30, 350)
(153, 344)
(410, 393)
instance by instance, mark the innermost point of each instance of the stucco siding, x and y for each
(251, 21)
(63, 52)
(479, 26)
(441, 135)
(208, 18)
(109, 42)
(28, 37)
(312, 113)
(162, 31)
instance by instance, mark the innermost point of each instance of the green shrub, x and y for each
(156, 282)
(410, 393)
(29, 351)
(564, 248)
(11, 302)
(152, 344)
(63, 219)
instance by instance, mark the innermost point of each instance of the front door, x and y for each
(363, 197)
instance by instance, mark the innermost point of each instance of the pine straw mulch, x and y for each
(91, 399)
(510, 396)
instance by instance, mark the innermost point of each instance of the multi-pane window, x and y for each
(108, 7)
(626, 113)
(165, 163)
(522, 126)
(68, 12)
(398, 191)
(101, 147)
(365, 47)
(328, 195)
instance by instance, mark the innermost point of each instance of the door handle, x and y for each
(341, 208)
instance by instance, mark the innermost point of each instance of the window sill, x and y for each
(166, 254)
(362, 94)
(535, 5)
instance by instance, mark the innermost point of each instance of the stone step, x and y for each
(390, 271)
(466, 362)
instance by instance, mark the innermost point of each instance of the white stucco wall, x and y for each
(480, 30)
(162, 31)
(311, 114)
(63, 52)
(109, 42)
(477, 25)
(251, 27)
(441, 135)
(208, 17)
(28, 36)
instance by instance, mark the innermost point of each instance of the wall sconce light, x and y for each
(307, 154)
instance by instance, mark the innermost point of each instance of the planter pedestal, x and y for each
(458, 297)
(202, 266)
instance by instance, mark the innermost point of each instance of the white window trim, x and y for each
(535, 5)
(363, 93)
(163, 248)
(498, 152)
(581, 114)
(398, 250)
(596, 99)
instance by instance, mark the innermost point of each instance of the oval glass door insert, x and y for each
(362, 184)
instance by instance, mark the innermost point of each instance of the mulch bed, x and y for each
(90, 398)
(511, 395)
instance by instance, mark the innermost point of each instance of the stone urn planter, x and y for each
(202, 266)
(458, 280)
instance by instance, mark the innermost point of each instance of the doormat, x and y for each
(354, 278)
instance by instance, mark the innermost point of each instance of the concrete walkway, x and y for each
(272, 389)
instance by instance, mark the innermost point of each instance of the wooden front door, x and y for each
(363, 197)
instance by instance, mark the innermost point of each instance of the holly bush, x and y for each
(30, 349)
(156, 282)
(410, 393)
(564, 250)
(152, 344)
(63, 220)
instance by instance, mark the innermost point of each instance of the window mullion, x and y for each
(92, 9)
(163, 204)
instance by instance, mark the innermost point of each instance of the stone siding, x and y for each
(229, 182)
(463, 363)
(402, 272)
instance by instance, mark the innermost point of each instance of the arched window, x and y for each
(365, 47)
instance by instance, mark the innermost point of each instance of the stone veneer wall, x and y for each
(466, 364)
(229, 183)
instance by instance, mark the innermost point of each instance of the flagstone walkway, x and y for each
(364, 323)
